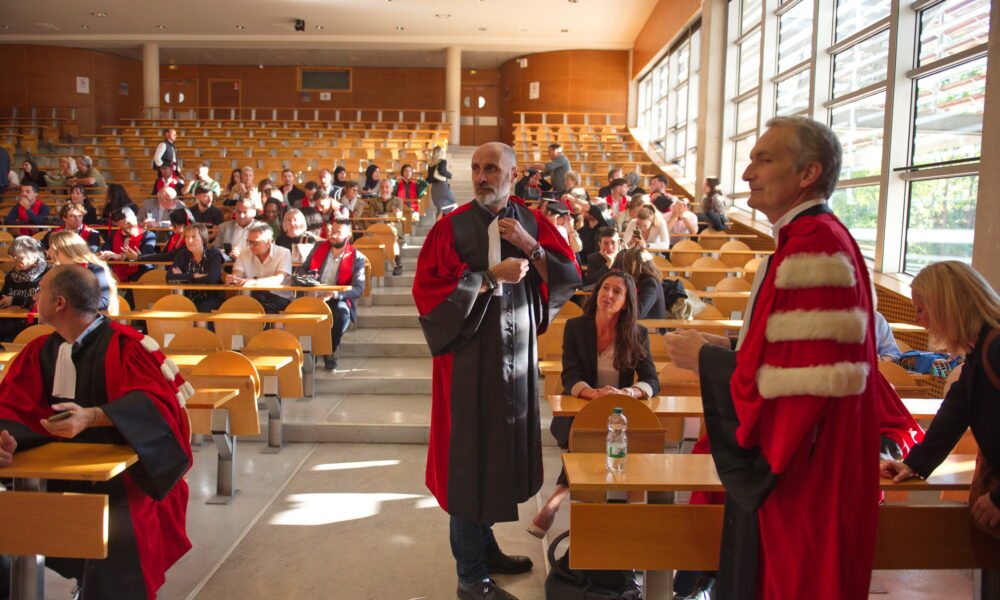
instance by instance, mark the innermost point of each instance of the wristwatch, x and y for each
(536, 253)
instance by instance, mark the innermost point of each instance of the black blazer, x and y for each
(652, 304)
(597, 267)
(579, 363)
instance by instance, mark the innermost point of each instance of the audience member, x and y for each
(613, 174)
(115, 387)
(203, 210)
(72, 215)
(292, 194)
(438, 176)
(21, 283)
(713, 207)
(634, 184)
(168, 179)
(274, 212)
(556, 169)
(30, 173)
(128, 244)
(682, 224)
(62, 177)
(203, 179)
(617, 199)
(295, 235)
(646, 229)
(155, 212)
(593, 221)
(605, 257)
(87, 174)
(635, 202)
(231, 193)
(558, 214)
(649, 291)
(385, 204)
(335, 261)
(29, 210)
(244, 189)
(78, 195)
(329, 209)
(410, 189)
(115, 199)
(232, 235)
(573, 185)
(165, 152)
(658, 188)
(529, 187)
(605, 351)
(180, 218)
(198, 263)
(66, 248)
(353, 205)
(265, 265)
(339, 179)
(372, 176)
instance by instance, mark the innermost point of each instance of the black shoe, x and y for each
(484, 590)
(501, 564)
(330, 363)
(397, 270)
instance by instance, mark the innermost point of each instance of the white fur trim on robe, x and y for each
(812, 270)
(833, 381)
(844, 326)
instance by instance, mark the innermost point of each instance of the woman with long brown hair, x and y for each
(605, 351)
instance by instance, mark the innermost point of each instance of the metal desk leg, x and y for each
(274, 437)
(27, 573)
(309, 374)
(225, 471)
(659, 585)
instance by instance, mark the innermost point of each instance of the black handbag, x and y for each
(564, 583)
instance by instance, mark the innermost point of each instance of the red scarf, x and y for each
(118, 245)
(175, 241)
(22, 215)
(622, 203)
(345, 273)
(84, 231)
(406, 190)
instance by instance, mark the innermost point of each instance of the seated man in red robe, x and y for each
(119, 389)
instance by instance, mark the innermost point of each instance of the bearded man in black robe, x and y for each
(489, 278)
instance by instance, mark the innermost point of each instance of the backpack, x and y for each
(564, 583)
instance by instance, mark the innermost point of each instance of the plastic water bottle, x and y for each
(617, 441)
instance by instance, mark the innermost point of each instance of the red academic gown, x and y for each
(484, 454)
(149, 501)
(795, 430)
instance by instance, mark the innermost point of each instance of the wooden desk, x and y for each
(165, 315)
(61, 461)
(713, 325)
(232, 288)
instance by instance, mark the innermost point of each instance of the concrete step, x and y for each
(392, 296)
(410, 252)
(378, 343)
(400, 281)
(360, 418)
(400, 376)
(384, 317)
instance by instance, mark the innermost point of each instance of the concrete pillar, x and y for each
(987, 231)
(711, 99)
(453, 91)
(151, 78)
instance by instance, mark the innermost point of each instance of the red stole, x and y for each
(406, 191)
(176, 241)
(22, 215)
(345, 273)
(117, 245)
(622, 204)
(84, 231)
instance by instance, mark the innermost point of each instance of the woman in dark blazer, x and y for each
(649, 288)
(604, 352)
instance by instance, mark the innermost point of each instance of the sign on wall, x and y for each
(533, 89)
(325, 96)
(83, 85)
(123, 88)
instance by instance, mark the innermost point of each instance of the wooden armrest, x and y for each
(51, 524)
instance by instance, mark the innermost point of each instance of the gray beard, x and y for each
(493, 199)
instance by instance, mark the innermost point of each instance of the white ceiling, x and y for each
(355, 32)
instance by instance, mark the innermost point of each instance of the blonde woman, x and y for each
(961, 312)
(66, 247)
(438, 176)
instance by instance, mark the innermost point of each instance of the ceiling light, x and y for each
(84, 27)
(241, 27)
(7, 27)
(319, 27)
(573, 1)
(161, 26)
(564, 30)
(99, 14)
(400, 28)
(443, 15)
(482, 29)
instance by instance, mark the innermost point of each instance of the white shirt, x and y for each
(657, 232)
(279, 260)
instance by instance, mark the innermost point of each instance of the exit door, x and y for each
(480, 114)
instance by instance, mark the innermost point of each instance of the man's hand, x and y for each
(24, 202)
(175, 270)
(6, 301)
(511, 230)
(896, 470)
(129, 253)
(7, 446)
(80, 418)
(234, 280)
(985, 512)
(234, 253)
(683, 347)
(510, 270)
(609, 257)
(716, 340)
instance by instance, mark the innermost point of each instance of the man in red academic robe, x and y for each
(490, 276)
(793, 416)
(118, 388)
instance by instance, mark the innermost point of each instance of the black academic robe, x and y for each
(147, 505)
(484, 455)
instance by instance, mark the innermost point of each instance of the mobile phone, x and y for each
(227, 248)
(60, 416)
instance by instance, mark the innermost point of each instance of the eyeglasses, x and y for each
(258, 242)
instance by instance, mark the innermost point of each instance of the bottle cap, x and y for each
(617, 411)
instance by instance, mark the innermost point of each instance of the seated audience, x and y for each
(229, 196)
(558, 214)
(573, 185)
(617, 199)
(295, 235)
(409, 189)
(203, 180)
(639, 265)
(634, 204)
(336, 262)
(155, 212)
(244, 189)
(265, 265)
(232, 235)
(180, 218)
(128, 244)
(961, 312)
(21, 283)
(604, 352)
(329, 208)
(658, 189)
(291, 193)
(372, 176)
(352, 203)
(634, 184)
(66, 247)
(681, 223)
(72, 215)
(115, 199)
(593, 221)
(87, 174)
(62, 177)
(645, 229)
(613, 174)
(197, 262)
(203, 210)
(274, 212)
(529, 187)
(168, 179)
(339, 179)
(78, 195)
(604, 258)
(385, 204)
(30, 173)
(713, 207)
(29, 210)
(310, 189)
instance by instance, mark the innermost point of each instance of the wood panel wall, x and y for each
(668, 18)
(45, 76)
(371, 87)
(569, 80)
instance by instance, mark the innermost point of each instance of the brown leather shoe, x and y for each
(484, 590)
(501, 564)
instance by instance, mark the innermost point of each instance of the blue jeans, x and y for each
(471, 543)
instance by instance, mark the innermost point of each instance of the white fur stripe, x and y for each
(149, 344)
(169, 369)
(812, 270)
(834, 381)
(844, 326)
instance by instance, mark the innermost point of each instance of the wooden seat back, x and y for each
(685, 252)
(227, 330)
(228, 369)
(158, 329)
(901, 379)
(709, 312)
(570, 310)
(281, 343)
(703, 281)
(319, 333)
(196, 338)
(712, 240)
(550, 342)
(143, 299)
(54, 524)
(31, 332)
(123, 305)
(384, 233)
(751, 266)
(733, 260)
(727, 306)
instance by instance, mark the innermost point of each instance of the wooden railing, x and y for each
(273, 113)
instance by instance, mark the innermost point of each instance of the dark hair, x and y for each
(351, 184)
(265, 184)
(661, 178)
(337, 171)
(201, 190)
(336, 222)
(310, 186)
(117, 198)
(617, 182)
(78, 286)
(82, 189)
(405, 167)
(614, 170)
(180, 216)
(555, 146)
(281, 209)
(637, 266)
(628, 347)
(231, 183)
(30, 184)
(606, 231)
(712, 203)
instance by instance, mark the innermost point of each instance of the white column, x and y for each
(987, 231)
(151, 78)
(453, 90)
(711, 83)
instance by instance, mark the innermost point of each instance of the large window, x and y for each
(875, 71)
(668, 102)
